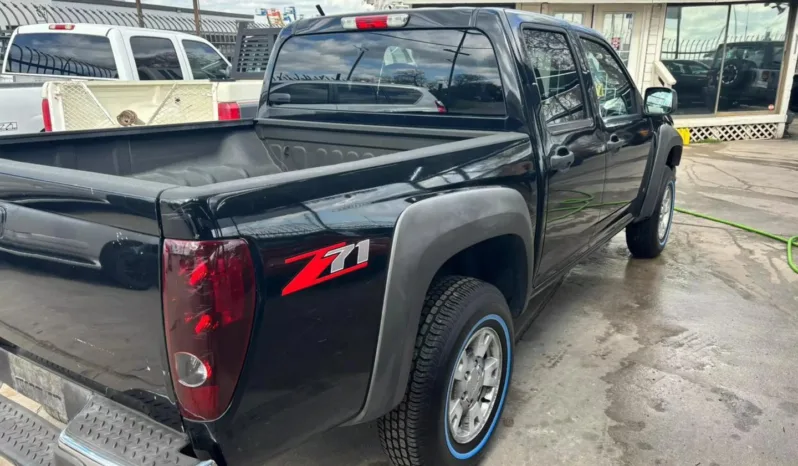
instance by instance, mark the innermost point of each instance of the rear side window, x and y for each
(156, 58)
(62, 55)
(205, 62)
(552, 62)
(442, 71)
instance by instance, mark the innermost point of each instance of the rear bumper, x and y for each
(81, 428)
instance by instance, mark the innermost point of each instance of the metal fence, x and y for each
(704, 50)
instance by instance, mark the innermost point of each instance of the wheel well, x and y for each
(500, 261)
(675, 157)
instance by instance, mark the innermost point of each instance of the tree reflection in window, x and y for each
(615, 92)
(555, 71)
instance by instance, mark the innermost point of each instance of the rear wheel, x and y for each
(646, 239)
(459, 380)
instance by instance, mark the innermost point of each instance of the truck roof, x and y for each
(304, 25)
(91, 29)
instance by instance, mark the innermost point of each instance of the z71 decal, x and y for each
(8, 126)
(330, 260)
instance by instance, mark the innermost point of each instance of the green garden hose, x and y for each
(575, 205)
(793, 241)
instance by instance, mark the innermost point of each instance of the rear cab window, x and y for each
(60, 54)
(155, 58)
(441, 71)
(205, 62)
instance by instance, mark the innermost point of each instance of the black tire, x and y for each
(643, 237)
(416, 433)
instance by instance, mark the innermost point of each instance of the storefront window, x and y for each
(725, 58)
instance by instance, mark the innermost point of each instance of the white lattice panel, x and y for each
(734, 132)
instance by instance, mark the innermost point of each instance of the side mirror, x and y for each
(279, 98)
(228, 70)
(660, 101)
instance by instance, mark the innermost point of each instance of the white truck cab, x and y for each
(49, 52)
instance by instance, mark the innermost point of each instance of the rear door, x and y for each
(629, 133)
(573, 147)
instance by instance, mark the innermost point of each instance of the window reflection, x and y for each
(725, 58)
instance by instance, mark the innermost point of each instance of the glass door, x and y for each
(621, 25)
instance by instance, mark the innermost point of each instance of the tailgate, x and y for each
(79, 285)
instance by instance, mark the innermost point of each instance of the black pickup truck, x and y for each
(217, 293)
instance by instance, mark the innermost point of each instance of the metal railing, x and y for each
(704, 50)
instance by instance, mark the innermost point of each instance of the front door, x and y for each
(622, 26)
(573, 148)
(628, 133)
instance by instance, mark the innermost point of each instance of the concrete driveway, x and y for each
(689, 359)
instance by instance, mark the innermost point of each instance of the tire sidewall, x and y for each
(669, 183)
(487, 309)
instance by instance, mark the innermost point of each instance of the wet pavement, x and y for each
(689, 359)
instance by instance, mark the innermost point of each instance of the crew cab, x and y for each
(219, 292)
(56, 52)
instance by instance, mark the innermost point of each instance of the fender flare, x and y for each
(428, 233)
(667, 139)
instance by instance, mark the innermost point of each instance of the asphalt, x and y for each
(688, 359)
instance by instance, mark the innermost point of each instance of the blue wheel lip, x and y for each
(672, 186)
(478, 448)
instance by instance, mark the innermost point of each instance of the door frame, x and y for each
(639, 42)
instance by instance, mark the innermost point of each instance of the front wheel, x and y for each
(646, 239)
(459, 380)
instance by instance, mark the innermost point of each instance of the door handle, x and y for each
(615, 142)
(562, 159)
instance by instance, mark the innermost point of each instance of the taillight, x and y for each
(441, 107)
(209, 305)
(229, 111)
(62, 27)
(46, 118)
(375, 22)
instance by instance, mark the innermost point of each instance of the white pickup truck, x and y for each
(57, 52)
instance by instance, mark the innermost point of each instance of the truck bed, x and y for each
(81, 224)
(201, 154)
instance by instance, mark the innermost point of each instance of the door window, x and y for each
(205, 62)
(156, 58)
(616, 94)
(557, 78)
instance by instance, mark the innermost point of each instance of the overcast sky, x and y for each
(247, 7)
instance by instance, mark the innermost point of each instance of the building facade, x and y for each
(732, 63)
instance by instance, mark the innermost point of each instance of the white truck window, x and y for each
(62, 55)
(156, 58)
(205, 62)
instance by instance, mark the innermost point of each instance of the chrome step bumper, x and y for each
(99, 431)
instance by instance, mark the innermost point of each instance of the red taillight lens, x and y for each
(209, 305)
(441, 107)
(46, 118)
(371, 22)
(62, 27)
(229, 111)
(375, 22)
